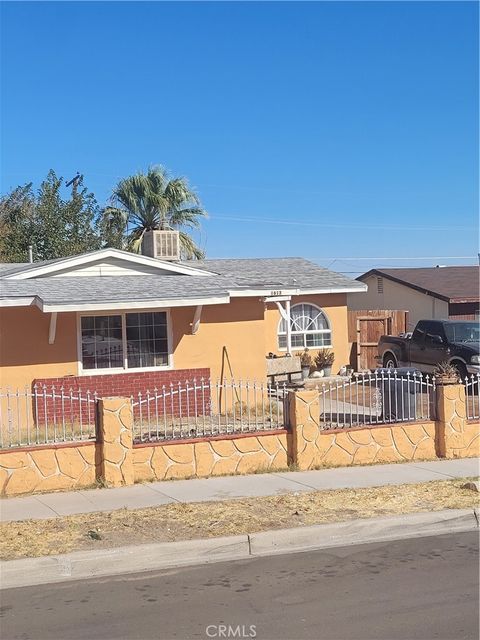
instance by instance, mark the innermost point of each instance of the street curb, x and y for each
(414, 525)
(80, 565)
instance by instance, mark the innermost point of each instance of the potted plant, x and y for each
(446, 373)
(306, 363)
(324, 361)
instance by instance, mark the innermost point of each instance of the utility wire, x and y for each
(305, 223)
(390, 258)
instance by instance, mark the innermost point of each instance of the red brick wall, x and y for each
(125, 384)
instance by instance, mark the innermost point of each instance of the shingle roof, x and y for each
(227, 277)
(453, 284)
(9, 267)
(22, 267)
(114, 288)
(266, 272)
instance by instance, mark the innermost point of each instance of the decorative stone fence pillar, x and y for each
(455, 437)
(115, 424)
(304, 421)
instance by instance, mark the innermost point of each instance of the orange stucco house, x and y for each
(116, 322)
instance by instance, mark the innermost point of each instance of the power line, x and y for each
(390, 258)
(334, 226)
(322, 258)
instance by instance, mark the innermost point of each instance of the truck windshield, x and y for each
(463, 332)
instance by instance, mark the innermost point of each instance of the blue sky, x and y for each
(322, 129)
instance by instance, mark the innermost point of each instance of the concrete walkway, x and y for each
(53, 505)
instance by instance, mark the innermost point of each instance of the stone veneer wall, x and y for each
(115, 436)
(313, 447)
(49, 468)
(457, 437)
(226, 455)
(450, 436)
(396, 443)
(116, 461)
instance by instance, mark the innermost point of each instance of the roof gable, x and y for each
(452, 284)
(106, 262)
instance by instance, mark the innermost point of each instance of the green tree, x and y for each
(17, 226)
(54, 227)
(149, 201)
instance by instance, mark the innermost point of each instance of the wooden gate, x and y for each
(365, 328)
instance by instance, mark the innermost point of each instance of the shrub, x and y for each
(324, 358)
(306, 358)
(445, 370)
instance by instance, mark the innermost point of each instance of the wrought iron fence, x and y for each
(377, 398)
(199, 408)
(46, 414)
(472, 396)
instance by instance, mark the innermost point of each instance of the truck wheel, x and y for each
(389, 361)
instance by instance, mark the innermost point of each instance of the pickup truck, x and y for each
(434, 341)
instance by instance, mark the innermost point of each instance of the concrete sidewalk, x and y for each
(53, 505)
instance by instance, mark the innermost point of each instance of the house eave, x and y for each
(19, 302)
(463, 300)
(409, 285)
(272, 292)
(84, 305)
(129, 304)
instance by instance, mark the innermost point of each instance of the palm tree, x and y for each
(148, 201)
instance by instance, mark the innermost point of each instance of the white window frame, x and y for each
(304, 333)
(114, 370)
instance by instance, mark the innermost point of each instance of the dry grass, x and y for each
(206, 520)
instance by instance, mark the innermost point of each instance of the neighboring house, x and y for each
(426, 293)
(116, 322)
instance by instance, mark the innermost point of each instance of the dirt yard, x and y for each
(207, 520)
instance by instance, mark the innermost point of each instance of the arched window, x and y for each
(309, 328)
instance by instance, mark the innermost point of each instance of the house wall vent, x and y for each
(164, 245)
(379, 285)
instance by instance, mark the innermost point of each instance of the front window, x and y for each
(147, 344)
(124, 341)
(309, 328)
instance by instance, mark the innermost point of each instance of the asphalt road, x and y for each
(422, 588)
